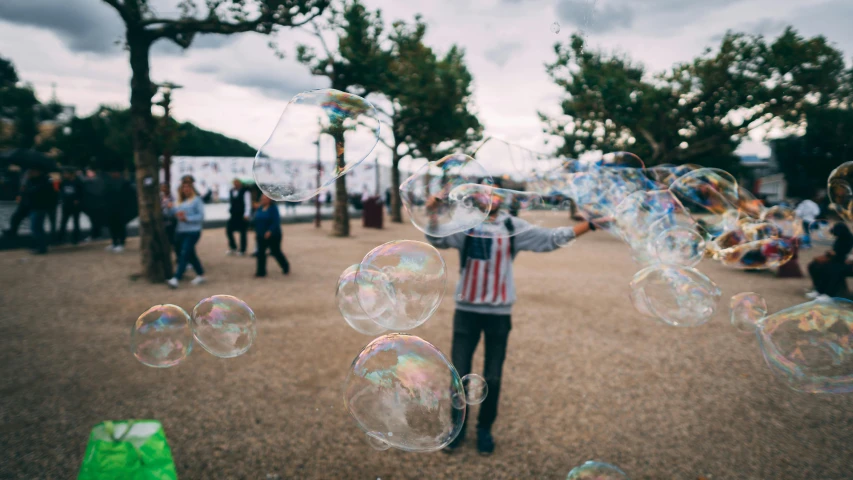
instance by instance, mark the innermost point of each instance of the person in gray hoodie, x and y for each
(485, 295)
(190, 214)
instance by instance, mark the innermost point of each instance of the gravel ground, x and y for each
(586, 377)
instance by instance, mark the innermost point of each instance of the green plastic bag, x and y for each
(128, 450)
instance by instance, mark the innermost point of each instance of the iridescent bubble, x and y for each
(677, 296)
(376, 440)
(785, 219)
(370, 289)
(428, 200)
(555, 27)
(747, 310)
(840, 191)
(161, 337)
(761, 254)
(346, 127)
(476, 388)
(416, 278)
(810, 345)
(679, 246)
(597, 471)
(642, 216)
(404, 388)
(712, 193)
(494, 151)
(224, 325)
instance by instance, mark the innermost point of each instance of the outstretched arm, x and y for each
(457, 240)
(538, 239)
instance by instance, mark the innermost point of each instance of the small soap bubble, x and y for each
(224, 325)
(555, 27)
(475, 387)
(405, 387)
(677, 296)
(161, 337)
(371, 289)
(597, 471)
(747, 310)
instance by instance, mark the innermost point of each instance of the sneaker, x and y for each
(230, 252)
(823, 298)
(242, 254)
(455, 444)
(812, 294)
(198, 280)
(172, 282)
(118, 249)
(485, 442)
(109, 248)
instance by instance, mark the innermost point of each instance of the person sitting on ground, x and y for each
(190, 214)
(486, 293)
(829, 271)
(268, 235)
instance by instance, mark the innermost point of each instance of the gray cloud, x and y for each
(276, 79)
(84, 25)
(200, 42)
(585, 15)
(500, 53)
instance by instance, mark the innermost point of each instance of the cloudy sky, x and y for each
(236, 85)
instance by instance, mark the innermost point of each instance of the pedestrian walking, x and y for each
(118, 198)
(41, 197)
(268, 235)
(71, 198)
(240, 210)
(189, 211)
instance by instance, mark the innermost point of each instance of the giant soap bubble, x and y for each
(810, 345)
(346, 127)
(712, 193)
(416, 277)
(840, 190)
(436, 196)
(676, 295)
(161, 337)
(403, 391)
(224, 325)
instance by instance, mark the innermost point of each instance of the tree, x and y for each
(143, 28)
(429, 102)
(357, 65)
(697, 112)
(18, 106)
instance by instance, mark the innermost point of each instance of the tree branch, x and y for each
(120, 8)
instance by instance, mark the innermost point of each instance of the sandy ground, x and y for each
(586, 377)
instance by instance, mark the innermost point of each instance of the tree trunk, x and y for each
(156, 252)
(396, 203)
(341, 227)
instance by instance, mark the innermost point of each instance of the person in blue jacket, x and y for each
(190, 214)
(268, 235)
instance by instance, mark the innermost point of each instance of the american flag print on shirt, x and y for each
(487, 272)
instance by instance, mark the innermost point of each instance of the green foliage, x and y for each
(697, 112)
(18, 109)
(103, 140)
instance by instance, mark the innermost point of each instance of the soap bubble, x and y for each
(761, 254)
(428, 200)
(642, 216)
(712, 192)
(678, 296)
(376, 440)
(596, 471)
(161, 337)
(840, 191)
(404, 388)
(347, 127)
(750, 231)
(416, 276)
(810, 345)
(224, 325)
(476, 388)
(370, 289)
(680, 246)
(555, 27)
(496, 152)
(525, 211)
(747, 309)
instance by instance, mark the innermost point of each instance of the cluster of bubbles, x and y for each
(402, 390)
(163, 335)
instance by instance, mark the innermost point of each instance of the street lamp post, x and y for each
(166, 88)
(317, 198)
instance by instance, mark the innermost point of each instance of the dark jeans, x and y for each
(22, 211)
(118, 230)
(237, 224)
(806, 239)
(37, 227)
(73, 214)
(467, 327)
(186, 253)
(170, 226)
(274, 244)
